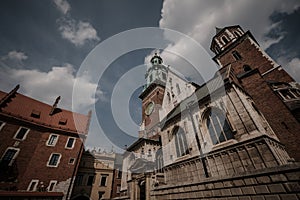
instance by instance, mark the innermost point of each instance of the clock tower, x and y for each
(152, 96)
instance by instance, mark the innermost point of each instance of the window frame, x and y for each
(180, 141)
(24, 136)
(58, 161)
(88, 183)
(36, 181)
(106, 177)
(51, 182)
(14, 156)
(55, 142)
(237, 56)
(217, 114)
(73, 144)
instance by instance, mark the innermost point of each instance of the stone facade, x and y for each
(96, 175)
(234, 137)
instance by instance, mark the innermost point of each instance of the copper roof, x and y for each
(26, 108)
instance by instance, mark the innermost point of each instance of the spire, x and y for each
(156, 59)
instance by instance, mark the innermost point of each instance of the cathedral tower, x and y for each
(152, 96)
(274, 92)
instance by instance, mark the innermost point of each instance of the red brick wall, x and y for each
(277, 114)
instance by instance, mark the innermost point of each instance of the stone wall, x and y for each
(278, 183)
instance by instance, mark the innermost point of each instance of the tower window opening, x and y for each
(150, 78)
(236, 34)
(225, 40)
(236, 55)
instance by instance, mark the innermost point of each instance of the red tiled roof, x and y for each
(26, 108)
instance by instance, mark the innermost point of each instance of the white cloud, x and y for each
(77, 32)
(46, 86)
(17, 55)
(62, 5)
(198, 19)
(13, 59)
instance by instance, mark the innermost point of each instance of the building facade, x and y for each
(40, 148)
(97, 176)
(233, 137)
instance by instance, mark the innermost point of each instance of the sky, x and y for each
(94, 53)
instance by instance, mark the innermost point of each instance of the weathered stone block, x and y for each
(261, 189)
(236, 191)
(238, 182)
(276, 188)
(289, 196)
(278, 177)
(263, 179)
(226, 192)
(258, 198)
(248, 190)
(293, 176)
(272, 197)
(292, 187)
(250, 181)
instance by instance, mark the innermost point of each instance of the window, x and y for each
(164, 76)
(149, 153)
(70, 143)
(52, 140)
(33, 185)
(1, 125)
(90, 180)
(103, 179)
(79, 179)
(236, 34)
(169, 97)
(236, 55)
(180, 141)
(119, 175)
(54, 160)
(218, 127)
(178, 88)
(21, 133)
(159, 160)
(247, 68)
(51, 186)
(9, 156)
(72, 161)
(224, 40)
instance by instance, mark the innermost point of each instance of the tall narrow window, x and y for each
(224, 40)
(90, 180)
(33, 185)
(21, 133)
(236, 55)
(159, 160)
(52, 140)
(178, 88)
(52, 185)
(54, 160)
(9, 156)
(180, 141)
(218, 127)
(79, 179)
(103, 179)
(150, 78)
(70, 143)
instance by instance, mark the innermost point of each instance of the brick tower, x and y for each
(275, 93)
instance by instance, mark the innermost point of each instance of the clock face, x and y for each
(149, 109)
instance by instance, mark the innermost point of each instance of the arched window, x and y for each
(169, 97)
(224, 39)
(159, 160)
(218, 127)
(180, 141)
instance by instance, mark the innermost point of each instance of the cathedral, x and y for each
(234, 137)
